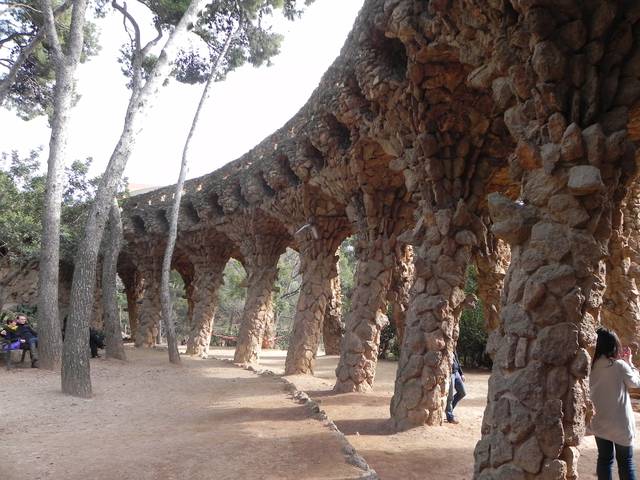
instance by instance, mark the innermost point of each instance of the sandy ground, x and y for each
(151, 420)
(444, 452)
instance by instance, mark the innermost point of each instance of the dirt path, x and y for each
(150, 420)
(429, 453)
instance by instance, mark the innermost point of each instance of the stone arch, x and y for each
(189, 212)
(138, 224)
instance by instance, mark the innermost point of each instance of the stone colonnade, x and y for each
(508, 116)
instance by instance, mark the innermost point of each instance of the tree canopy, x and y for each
(22, 186)
(30, 93)
(255, 41)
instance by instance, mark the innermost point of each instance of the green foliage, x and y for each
(21, 197)
(22, 189)
(473, 336)
(32, 92)
(28, 310)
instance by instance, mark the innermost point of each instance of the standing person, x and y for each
(30, 336)
(456, 388)
(95, 341)
(613, 424)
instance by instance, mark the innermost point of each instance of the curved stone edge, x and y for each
(351, 455)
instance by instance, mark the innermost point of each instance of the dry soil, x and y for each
(151, 420)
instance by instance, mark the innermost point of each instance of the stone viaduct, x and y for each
(448, 132)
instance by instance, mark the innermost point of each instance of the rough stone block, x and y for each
(581, 364)
(557, 382)
(521, 422)
(521, 353)
(570, 456)
(528, 456)
(557, 344)
(572, 145)
(549, 430)
(585, 180)
(554, 470)
(501, 450)
(548, 62)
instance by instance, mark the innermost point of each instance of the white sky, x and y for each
(244, 109)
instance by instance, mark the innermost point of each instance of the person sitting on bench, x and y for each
(30, 336)
(10, 332)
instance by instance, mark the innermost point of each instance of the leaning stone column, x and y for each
(359, 349)
(206, 281)
(151, 308)
(261, 254)
(401, 281)
(269, 336)
(134, 289)
(621, 305)
(492, 267)
(444, 243)
(333, 327)
(318, 268)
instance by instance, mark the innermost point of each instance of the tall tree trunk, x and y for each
(76, 379)
(165, 297)
(113, 332)
(65, 66)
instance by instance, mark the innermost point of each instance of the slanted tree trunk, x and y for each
(65, 65)
(113, 332)
(165, 297)
(76, 379)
